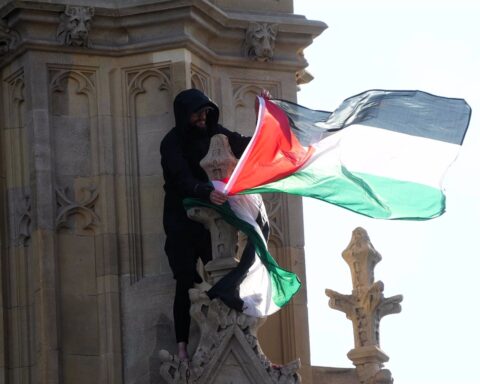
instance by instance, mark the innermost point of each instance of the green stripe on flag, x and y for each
(284, 283)
(373, 196)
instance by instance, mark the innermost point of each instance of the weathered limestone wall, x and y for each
(86, 291)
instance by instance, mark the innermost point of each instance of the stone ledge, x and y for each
(283, 6)
(196, 25)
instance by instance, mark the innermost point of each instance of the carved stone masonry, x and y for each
(23, 228)
(260, 41)
(74, 26)
(228, 349)
(218, 164)
(365, 307)
(9, 38)
(68, 207)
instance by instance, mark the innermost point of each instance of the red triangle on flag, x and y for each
(273, 153)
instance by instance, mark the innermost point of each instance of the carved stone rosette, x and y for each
(365, 307)
(68, 207)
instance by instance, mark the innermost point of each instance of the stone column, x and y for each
(365, 307)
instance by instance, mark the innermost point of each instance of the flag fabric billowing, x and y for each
(266, 287)
(382, 153)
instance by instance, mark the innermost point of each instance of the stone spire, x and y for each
(365, 307)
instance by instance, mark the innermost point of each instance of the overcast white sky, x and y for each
(401, 44)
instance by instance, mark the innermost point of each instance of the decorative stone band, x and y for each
(115, 31)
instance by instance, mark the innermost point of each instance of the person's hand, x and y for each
(217, 197)
(265, 94)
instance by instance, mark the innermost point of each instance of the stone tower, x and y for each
(86, 97)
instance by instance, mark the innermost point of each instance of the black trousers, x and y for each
(227, 289)
(183, 250)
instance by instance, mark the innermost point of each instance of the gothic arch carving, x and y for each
(82, 83)
(200, 80)
(73, 103)
(16, 91)
(16, 99)
(136, 81)
(17, 156)
(85, 81)
(85, 85)
(243, 101)
(241, 91)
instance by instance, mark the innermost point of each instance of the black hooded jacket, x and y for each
(182, 149)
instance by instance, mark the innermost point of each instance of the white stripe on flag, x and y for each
(256, 289)
(384, 153)
(396, 155)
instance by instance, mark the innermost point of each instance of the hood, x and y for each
(189, 101)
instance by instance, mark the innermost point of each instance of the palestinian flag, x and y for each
(264, 287)
(382, 153)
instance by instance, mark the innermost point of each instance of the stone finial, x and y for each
(365, 307)
(74, 26)
(224, 240)
(260, 41)
(219, 162)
